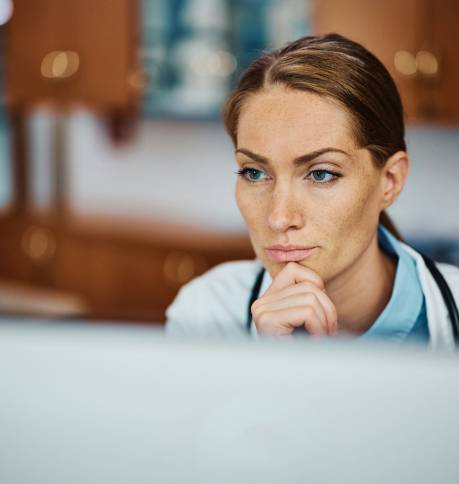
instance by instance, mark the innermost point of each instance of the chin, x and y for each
(271, 266)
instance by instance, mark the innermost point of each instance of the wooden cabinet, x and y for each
(415, 39)
(443, 37)
(118, 272)
(73, 52)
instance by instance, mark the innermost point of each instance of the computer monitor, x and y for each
(108, 405)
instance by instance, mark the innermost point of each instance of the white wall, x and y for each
(179, 172)
(430, 200)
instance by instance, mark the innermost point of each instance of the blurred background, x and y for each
(116, 177)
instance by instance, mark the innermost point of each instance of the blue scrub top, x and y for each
(404, 319)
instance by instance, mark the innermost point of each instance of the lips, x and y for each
(289, 253)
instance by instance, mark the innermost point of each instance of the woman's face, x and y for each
(305, 182)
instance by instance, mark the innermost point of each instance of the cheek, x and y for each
(352, 218)
(363, 207)
(251, 203)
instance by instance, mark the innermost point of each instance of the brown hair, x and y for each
(342, 70)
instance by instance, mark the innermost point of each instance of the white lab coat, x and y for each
(216, 303)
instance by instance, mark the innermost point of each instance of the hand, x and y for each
(295, 299)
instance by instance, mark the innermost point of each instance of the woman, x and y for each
(319, 141)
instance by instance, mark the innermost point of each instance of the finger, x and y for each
(283, 322)
(293, 273)
(325, 301)
(298, 300)
(304, 288)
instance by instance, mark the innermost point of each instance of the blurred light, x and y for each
(138, 80)
(221, 63)
(427, 62)
(60, 64)
(6, 11)
(179, 267)
(39, 244)
(405, 63)
(216, 63)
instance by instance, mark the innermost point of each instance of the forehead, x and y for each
(293, 121)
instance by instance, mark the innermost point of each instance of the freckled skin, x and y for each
(288, 208)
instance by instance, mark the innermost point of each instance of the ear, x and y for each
(393, 177)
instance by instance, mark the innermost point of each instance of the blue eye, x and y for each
(320, 177)
(251, 174)
(323, 176)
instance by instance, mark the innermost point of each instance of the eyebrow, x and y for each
(300, 160)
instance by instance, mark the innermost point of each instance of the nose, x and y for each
(285, 211)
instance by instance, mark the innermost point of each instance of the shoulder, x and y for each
(451, 274)
(235, 277)
(215, 302)
(449, 271)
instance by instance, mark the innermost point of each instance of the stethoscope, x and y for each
(437, 275)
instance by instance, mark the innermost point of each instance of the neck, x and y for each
(361, 292)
